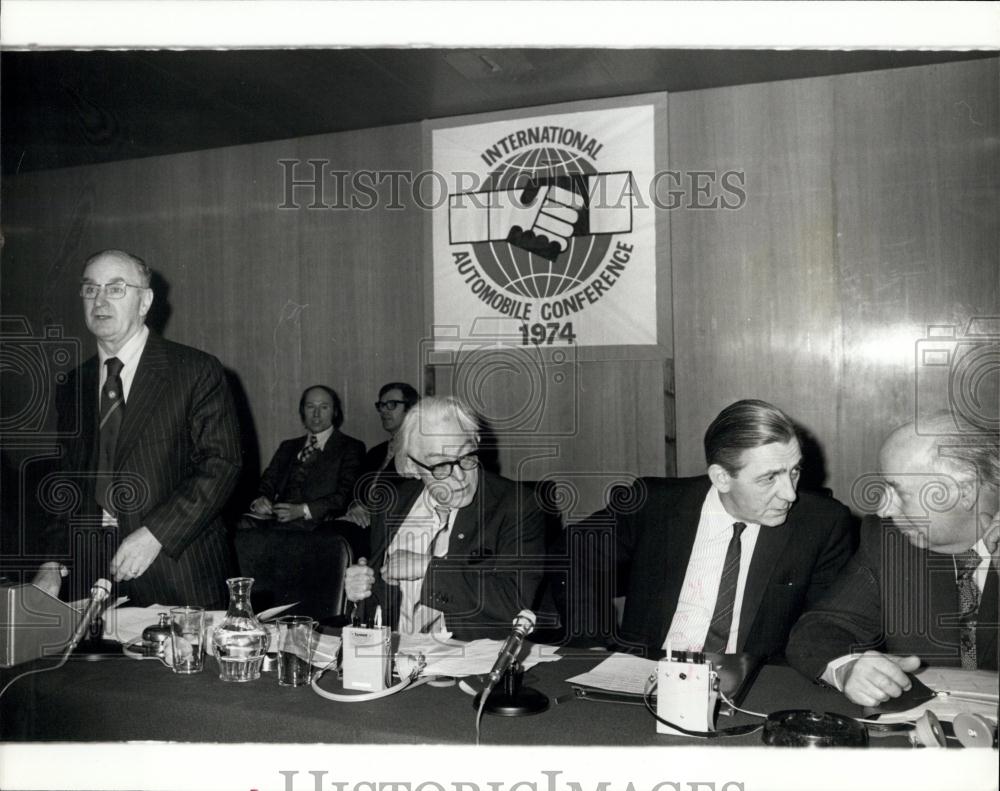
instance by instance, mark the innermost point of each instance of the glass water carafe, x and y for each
(240, 641)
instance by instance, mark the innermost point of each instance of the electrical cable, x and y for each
(734, 707)
(61, 662)
(738, 730)
(413, 679)
(482, 704)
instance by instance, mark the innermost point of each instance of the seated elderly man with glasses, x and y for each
(458, 549)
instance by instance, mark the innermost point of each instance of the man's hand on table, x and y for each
(874, 677)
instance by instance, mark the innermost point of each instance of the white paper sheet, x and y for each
(618, 673)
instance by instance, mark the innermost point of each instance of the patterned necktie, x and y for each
(112, 414)
(722, 619)
(966, 564)
(309, 449)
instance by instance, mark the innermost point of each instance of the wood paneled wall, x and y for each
(285, 297)
(872, 211)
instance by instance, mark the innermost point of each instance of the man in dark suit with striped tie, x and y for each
(727, 562)
(922, 587)
(156, 458)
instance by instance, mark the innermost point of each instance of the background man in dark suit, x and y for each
(158, 452)
(923, 584)
(726, 563)
(395, 399)
(310, 478)
(458, 549)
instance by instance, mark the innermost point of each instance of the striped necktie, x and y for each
(722, 619)
(112, 415)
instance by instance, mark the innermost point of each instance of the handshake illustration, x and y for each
(544, 215)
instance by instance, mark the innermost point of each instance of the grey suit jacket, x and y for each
(176, 463)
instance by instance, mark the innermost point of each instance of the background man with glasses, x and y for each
(156, 459)
(459, 549)
(395, 399)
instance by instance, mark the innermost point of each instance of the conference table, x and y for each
(121, 699)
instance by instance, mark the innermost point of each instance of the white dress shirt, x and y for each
(696, 603)
(321, 438)
(424, 533)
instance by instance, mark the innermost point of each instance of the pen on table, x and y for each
(378, 616)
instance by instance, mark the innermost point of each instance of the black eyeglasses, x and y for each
(390, 404)
(111, 290)
(443, 469)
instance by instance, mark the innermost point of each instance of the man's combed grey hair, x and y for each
(423, 420)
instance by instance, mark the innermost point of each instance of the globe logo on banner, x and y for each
(525, 273)
(542, 224)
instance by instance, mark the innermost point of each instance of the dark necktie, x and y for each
(722, 618)
(966, 564)
(112, 414)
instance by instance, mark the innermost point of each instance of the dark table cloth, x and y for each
(128, 700)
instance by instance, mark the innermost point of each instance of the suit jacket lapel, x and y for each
(470, 519)
(681, 540)
(408, 492)
(145, 393)
(768, 549)
(90, 408)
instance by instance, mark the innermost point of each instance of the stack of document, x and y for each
(447, 657)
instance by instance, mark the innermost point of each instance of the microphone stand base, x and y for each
(524, 702)
(96, 650)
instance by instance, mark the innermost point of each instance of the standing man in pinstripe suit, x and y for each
(158, 451)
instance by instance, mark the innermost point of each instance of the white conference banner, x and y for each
(548, 234)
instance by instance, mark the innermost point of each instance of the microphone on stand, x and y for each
(98, 595)
(524, 624)
(510, 699)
